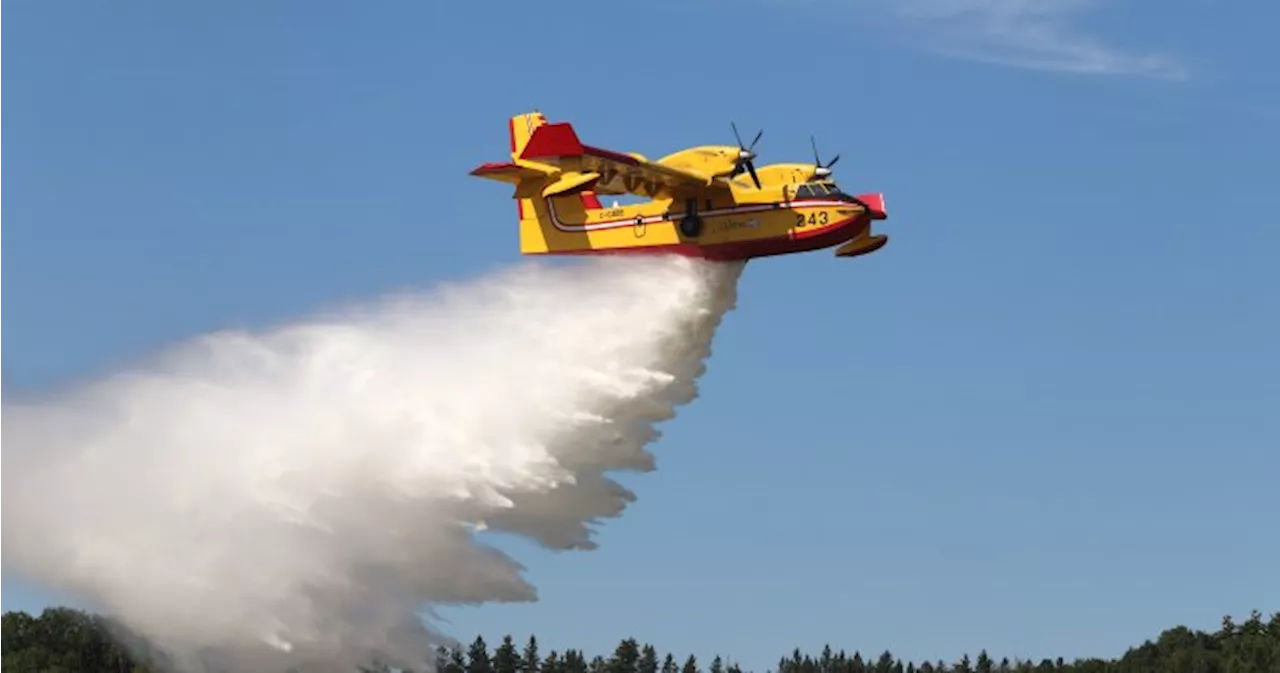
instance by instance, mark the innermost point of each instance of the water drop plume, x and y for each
(297, 497)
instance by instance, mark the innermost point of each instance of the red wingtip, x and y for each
(493, 167)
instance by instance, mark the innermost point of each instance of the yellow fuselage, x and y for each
(697, 205)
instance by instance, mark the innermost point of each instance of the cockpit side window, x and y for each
(804, 192)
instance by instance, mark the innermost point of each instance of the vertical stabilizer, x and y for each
(538, 215)
(521, 128)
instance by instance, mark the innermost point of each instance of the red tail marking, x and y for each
(560, 140)
(552, 140)
(492, 167)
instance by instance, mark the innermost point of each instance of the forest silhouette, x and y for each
(66, 640)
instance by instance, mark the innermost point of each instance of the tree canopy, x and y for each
(63, 640)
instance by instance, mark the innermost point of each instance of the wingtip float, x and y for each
(708, 201)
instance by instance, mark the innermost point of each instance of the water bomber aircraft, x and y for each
(709, 201)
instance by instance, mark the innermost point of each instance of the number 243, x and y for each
(819, 217)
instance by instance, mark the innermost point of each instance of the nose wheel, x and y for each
(691, 223)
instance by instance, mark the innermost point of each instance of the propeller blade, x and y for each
(744, 162)
(818, 161)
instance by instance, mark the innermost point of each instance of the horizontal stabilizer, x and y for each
(570, 182)
(508, 172)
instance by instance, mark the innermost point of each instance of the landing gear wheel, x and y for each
(691, 226)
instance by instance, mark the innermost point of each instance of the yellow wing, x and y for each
(557, 145)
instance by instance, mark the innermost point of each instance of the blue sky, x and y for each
(1041, 421)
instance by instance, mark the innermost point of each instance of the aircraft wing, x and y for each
(619, 173)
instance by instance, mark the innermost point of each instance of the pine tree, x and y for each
(457, 662)
(530, 662)
(449, 660)
(478, 657)
(984, 662)
(690, 665)
(669, 664)
(505, 658)
(1228, 629)
(648, 660)
(625, 658)
(574, 662)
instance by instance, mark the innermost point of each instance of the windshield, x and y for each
(818, 189)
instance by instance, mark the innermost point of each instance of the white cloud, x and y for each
(1034, 34)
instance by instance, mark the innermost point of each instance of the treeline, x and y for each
(63, 640)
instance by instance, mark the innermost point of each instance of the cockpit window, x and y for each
(817, 190)
(826, 190)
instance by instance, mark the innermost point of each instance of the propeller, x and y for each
(822, 171)
(746, 156)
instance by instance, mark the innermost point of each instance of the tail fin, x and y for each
(536, 219)
(521, 127)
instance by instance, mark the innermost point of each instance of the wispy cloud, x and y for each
(1034, 34)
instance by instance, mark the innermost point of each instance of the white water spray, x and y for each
(293, 498)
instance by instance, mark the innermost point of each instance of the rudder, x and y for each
(520, 129)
